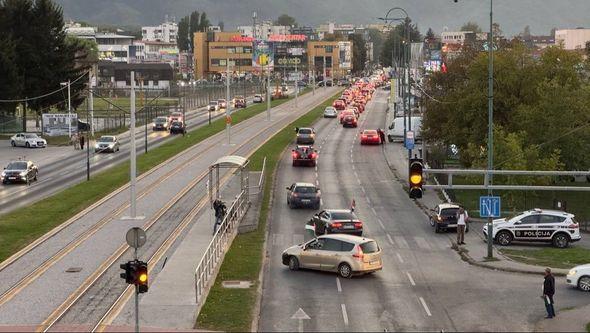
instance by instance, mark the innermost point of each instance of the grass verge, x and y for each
(231, 309)
(550, 257)
(22, 226)
(588, 327)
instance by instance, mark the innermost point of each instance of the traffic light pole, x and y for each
(136, 302)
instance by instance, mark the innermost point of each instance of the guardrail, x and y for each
(218, 246)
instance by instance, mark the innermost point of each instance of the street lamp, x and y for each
(63, 84)
(488, 177)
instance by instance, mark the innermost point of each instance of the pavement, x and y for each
(423, 286)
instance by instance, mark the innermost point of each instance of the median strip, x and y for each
(233, 309)
(22, 226)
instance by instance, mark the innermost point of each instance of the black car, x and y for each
(444, 217)
(19, 172)
(177, 127)
(303, 195)
(337, 221)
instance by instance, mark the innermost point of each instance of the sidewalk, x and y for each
(574, 320)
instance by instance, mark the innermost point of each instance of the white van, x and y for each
(395, 132)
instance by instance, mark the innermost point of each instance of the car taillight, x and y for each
(358, 225)
(359, 253)
(295, 155)
(336, 225)
(313, 155)
(573, 226)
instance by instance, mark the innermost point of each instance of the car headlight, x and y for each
(96, 145)
(571, 272)
(111, 145)
(3, 174)
(23, 173)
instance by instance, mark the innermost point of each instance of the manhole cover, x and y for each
(73, 269)
(236, 284)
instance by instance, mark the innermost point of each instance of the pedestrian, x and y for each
(381, 136)
(74, 140)
(219, 208)
(548, 292)
(462, 220)
(82, 139)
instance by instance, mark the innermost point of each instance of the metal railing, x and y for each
(261, 180)
(219, 245)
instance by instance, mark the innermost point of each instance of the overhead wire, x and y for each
(44, 95)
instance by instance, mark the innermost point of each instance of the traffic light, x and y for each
(416, 178)
(142, 277)
(129, 274)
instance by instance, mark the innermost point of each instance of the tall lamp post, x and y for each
(68, 84)
(488, 177)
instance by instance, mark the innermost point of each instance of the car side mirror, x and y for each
(288, 188)
(317, 190)
(390, 127)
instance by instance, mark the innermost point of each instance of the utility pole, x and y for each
(409, 62)
(133, 211)
(91, 100)
(490, 123)
(296, 85)
(69, 109)
(324, 73)
(227, 106)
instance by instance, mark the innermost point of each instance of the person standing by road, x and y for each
(82, 139)
(219, 208)
(548, 292)
(381, 136)
(462, 219)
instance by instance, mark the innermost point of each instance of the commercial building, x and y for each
(572, 39)
(213, 49)
(264, 30)
(336, 55)
(166, 32)
(117, 48)
(118, 75)
(462, 37)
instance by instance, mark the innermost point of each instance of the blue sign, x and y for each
(409, 140)
(489, 206)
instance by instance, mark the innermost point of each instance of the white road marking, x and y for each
(316, 168)
(391, 240)
(373, 209)
(399, 257)
(321, 202)
(358, 181)
(316, 174)
(338, 285)
(411, 279)
(425, 307)
(401, 242)
(368, 201)
(381, 224)
(317, 183)
(344, 315)
(422, 243)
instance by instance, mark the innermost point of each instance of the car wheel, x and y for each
(561, 241)
(293, 263)
(27, 145)
(345, 271)
(432, 222)
(389, 138)
(504, 238)
(437, 229)
(13, 143)
(584, 283)
(35, 178)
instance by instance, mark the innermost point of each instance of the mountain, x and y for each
(512, 15)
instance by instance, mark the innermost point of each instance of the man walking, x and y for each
(82, 141)
(220, 209)
(462, 219)
(548, 292)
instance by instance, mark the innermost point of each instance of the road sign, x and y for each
(136, 237)
(410, 140)
(489, 206)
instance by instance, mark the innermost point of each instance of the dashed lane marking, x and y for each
(381, 224)
(344, 315)
(425, 307)
(411, 279)
(401, 242)
(399, 257)
(391, 241)
(338, 285)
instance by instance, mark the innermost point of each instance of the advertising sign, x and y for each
(55, 124)
(345, 54)
(263, 55)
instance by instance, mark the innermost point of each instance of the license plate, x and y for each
(11, 177)
(305, 200)
(348, 227)
(374, 262)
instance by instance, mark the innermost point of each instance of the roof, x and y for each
(232, 160)
(348, 238)
(305, 184)
(448, 205)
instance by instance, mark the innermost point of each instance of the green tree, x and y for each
(204, 23)
(376, 37)
(470, 26)
(392, 49)
(286, 20)
(429, 35)
(359, 52)
(194, 24)
(11, 84)
(182, 38)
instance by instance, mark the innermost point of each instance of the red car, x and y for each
(339, 104)
(370, 137)
(305, 155)
(349, 121)
(345, 113)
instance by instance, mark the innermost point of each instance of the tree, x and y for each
(471, 26)
(359, 52)
(429, 35)
(392, 49)
(377, 38)
(11, 84)
(286, 20)
(204, 23)
(182, 38)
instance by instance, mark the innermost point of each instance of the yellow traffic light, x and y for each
(143, 277)
(416, 179)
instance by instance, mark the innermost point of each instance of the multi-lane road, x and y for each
(423, 286)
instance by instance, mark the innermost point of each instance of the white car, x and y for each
(579, 277)
(330, 112)
(537, 225)
(257, 98)
(213, 106)
(29, 140)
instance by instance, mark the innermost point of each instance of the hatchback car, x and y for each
(177, 127)
(339, 104)
(106, 143)
(303, 195)
(330, 112)
(222, 103)
(345, 254)
(304, 155)
(19, 172)
(29, 140)
(349, 121)
(537, 225)
(239, 102)
(305, 135)
(444, 216)
(331, 221)
(579, 277)
(160, 124)
(370, 137)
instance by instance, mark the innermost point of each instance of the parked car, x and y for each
(330, 112)
(304, 155)
(395, 131)
(107, 143)
(303, 195)
(444, 216)
(213, 106)
(345, 254)
(579, 277)
(177, 127)
(29, 140)
(257, 98)
(160, 124)
(305, 135)
(537, 225)
(331, 221)
(19, 172)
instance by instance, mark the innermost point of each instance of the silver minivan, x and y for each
(345, 254)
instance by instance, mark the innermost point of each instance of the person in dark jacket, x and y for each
(548, 292)
(381, 136)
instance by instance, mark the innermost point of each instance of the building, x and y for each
(118, 75)
(77, 30)
(264, 30)
(307, 31)
(166, 32)
(213, 49)
(572, 39)
(161, 52)
(336, 55)
(462, 37)
(117, 48)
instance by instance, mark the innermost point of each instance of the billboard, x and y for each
(345, 55)
(262, 55)
(55, 124)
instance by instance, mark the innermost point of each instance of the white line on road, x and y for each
(411, 279)
(344, 315)
(373, 209)
(380, 223)
(390, 240)
(316, 168)
(425, 307)
(317, 183)
(338, 285)
(399, 257)
(316, 174)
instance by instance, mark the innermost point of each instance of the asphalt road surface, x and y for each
(423, 286)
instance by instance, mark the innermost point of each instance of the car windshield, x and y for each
(305, 189)
(17, 166)
(371, 132)
(329, 108)
(305, 131)
(370, 247)
(31, 136)
(343, 216)
(176, 123)
(213, 103)
(106, 139)
(161, 120)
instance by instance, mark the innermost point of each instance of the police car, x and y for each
(537, 225)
